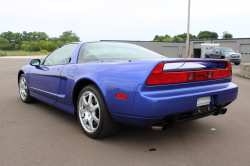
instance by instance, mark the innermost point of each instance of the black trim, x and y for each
(173, 119)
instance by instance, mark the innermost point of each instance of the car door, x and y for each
(44, 81)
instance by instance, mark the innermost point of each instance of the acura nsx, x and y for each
(110, 83)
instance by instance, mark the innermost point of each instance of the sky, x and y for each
(139, 20)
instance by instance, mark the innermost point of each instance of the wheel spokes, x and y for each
(85, 121)
(23, 88)
(85, 102)
(93, 108)
(90, 122)
(82, 110)
(89, 111)
(90, 100)
(95, 118)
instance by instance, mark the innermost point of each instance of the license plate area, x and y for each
(203, 101)
(203, 105)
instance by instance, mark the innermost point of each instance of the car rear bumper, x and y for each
(235, 60)
(150, 107)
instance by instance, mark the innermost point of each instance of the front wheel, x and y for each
(93, 114)
(24, 91)
(236, 63)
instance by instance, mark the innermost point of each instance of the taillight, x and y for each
(158, 76)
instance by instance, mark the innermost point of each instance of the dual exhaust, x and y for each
(164, 126)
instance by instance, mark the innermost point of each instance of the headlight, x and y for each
(226, 55)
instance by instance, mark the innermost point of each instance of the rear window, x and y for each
(114, 51)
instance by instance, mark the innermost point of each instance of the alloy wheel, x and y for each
(89, 111)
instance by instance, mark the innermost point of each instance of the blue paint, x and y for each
(145, 105)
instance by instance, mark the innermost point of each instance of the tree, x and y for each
(17, 40)
(156, 37)
(167, 36)
(161, 38)
(8, 35)
(168, 39)
(51, 47)
(69, 36)
(207, 35)
(34, 41)
(27, 36)
(14, 39)
(42, 35)
(227, 35)
(184, 36)
(3, 43)
(177, 39)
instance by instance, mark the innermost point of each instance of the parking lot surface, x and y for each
(39, 134)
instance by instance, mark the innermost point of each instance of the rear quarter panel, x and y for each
(117, 77)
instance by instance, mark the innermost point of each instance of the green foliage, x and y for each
(3, 43)
(21, 53)
(69, 36)
(168, 40)
(227, 35)
(177, 38)
(161, 38)
(207, 35)
(3, 54)
(43, 51)
(35, 41)
(51, 46)
(184, 36)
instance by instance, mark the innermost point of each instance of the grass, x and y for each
(21, 53)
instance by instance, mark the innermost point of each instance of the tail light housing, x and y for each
(159, 77)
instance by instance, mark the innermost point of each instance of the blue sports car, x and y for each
(110, 83)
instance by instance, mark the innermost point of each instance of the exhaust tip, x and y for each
(219, 112)
(160, 127)
(223, 111)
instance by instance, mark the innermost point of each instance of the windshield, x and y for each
(226, 50)
(115, 51)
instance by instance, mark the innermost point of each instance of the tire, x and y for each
(93, 115)
(236, 63)
(24, 91)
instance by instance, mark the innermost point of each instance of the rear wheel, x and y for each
(24, 91)
(93, 115)
(236, 63)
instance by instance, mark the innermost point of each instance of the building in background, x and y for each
(178, 49)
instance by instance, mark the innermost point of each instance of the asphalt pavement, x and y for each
(39, 134)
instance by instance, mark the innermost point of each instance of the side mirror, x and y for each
(35, 62)
(237, 51)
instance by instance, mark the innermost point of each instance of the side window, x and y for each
(87, 54)
(61, 55)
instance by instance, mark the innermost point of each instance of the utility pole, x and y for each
(187, 47)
